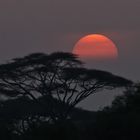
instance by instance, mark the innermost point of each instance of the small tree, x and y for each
(129, 101)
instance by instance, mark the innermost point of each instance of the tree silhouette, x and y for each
(120, 120)
(57, 82)
(129, 101)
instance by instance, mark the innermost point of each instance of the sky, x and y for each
(28, 26)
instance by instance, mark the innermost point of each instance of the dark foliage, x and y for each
(42, 92)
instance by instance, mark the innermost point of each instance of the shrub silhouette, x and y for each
(121, 120)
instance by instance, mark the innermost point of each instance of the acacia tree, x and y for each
(58, 78)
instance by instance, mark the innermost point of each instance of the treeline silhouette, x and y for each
(39, 98)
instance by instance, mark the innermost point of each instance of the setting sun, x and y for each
(96, 46)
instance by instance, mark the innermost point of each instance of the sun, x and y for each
(95, 46)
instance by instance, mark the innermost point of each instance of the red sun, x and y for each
(96, 46)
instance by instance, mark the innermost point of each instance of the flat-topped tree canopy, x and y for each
(85, 74)
(79, 83)
(58, 75)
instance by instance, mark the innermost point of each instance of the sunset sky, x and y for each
(28, 26)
